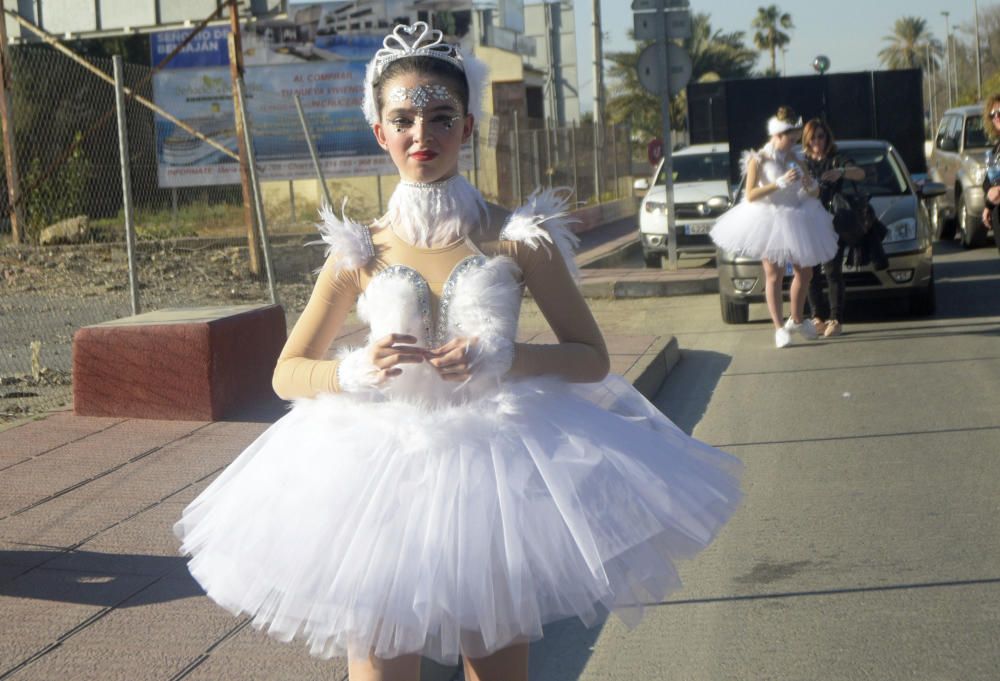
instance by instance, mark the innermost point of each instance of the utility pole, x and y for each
(979, 63)
(598, 94)
(9, 150)
(236, 74)
(947, 56)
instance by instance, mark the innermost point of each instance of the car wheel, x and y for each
(652, 259)
(944, 230)
(969, 226)
(734, 311)
(924, 302)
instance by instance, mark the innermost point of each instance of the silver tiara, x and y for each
(418, 40)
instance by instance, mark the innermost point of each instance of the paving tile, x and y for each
(144, 544)
(37, 478)
(620, 364)
(251, 655)
(629, 345)
(35, 437)
(75, 516)
(44, 605)
(153, 635)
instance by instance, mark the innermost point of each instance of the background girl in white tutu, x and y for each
(444, 490)
(780, 221)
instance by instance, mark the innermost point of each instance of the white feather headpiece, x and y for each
(419, 40)
(776, 126)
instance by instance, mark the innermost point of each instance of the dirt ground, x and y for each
(48, 293)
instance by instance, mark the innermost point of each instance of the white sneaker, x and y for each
(782, 338)
(804, 329)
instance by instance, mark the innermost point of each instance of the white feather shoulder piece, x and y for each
(746, 157)
(545, 219)
(347, 241)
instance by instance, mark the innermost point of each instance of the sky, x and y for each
(849, 32)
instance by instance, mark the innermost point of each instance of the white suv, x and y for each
(701, 195)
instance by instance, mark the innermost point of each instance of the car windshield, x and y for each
(883, 176)
(975, 136)
(698, 168)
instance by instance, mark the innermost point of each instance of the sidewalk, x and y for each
(91, 585)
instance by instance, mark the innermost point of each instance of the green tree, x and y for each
(769, 36)
(713, 54)
(909, 44)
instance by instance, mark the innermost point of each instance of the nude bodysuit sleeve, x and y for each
(581, 355)
(301, 370)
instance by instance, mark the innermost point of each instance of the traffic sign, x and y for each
(676, 25)
(678, 69)
(653, 5)
(654, 151)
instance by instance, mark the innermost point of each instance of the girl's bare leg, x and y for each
(800, 287)
(507, 664)
(402, 668)
(774, 274)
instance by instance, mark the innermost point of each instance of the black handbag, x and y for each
(853, 216)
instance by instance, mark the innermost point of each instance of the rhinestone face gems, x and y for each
(421, 95)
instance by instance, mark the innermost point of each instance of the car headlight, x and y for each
(655, 207)
(901, 230)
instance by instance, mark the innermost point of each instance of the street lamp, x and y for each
(979, 64)
(947, 55)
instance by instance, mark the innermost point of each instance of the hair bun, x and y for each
(786, 114)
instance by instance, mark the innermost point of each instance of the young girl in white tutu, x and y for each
(445, 490)
(780, 221)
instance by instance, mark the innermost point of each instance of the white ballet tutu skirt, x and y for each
(786, 226)
(385, 526)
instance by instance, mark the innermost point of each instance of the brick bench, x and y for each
(198, 364)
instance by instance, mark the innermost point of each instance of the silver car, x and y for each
(897, 200)
(958, 161)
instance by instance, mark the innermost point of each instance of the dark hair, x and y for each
(430, 66)
(814, 126)
(786, 114)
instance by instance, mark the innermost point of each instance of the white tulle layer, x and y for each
(802, 234)
(387, 527)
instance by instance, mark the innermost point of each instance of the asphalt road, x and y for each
(868, 545)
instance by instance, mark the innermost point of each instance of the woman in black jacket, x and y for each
(829, 169)
(991, 181)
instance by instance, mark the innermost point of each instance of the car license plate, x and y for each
(703, 228)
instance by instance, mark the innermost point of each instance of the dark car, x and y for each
(898, 201)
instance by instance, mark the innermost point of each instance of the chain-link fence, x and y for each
(71, 267)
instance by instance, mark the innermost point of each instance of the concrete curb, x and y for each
(652, 368)
(623, 288)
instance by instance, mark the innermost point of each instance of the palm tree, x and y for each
(908, 45)
(769, 36)
(714, 55)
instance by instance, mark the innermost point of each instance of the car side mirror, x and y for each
(947, 143)
(642, 184)
(928, 190)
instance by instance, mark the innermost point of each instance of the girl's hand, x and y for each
(788, 178)
(993, 195)
(387, 353)
(832, 175)
(453, 360)
(986, 218)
